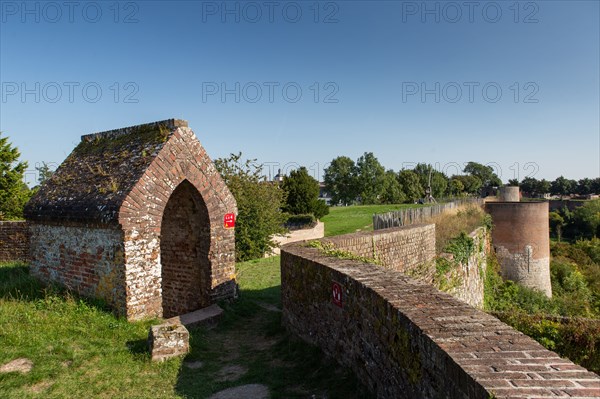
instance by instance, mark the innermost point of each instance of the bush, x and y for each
(259, 206)
(296, 222)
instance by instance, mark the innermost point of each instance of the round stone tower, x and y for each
(509, 194)
(521, 238)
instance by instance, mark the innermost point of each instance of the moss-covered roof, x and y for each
(92, 183)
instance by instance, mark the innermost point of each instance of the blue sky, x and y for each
(512, 84)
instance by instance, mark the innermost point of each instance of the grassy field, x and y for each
(349, 219)
(79, 349)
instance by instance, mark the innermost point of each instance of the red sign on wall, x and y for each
(229, 220)
(336, 294)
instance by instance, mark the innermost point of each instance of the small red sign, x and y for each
(229, 220)
(336, 294)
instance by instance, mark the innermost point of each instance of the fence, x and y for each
(410, 216)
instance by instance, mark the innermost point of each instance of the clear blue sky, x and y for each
(409, 81)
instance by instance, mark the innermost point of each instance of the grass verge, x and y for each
(79, 349)
(350, 219)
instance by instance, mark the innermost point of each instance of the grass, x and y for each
(350, 219)
(79, 349)
(450, 225)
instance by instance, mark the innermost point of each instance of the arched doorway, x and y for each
(184, 249)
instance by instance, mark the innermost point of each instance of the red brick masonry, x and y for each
(14, 241)
(405, 339)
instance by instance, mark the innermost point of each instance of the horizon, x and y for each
(512, 85)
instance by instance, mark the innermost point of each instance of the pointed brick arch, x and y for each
(184, 252)
(106, 205)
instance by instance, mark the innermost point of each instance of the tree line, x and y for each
(368, 182)
(533, 187)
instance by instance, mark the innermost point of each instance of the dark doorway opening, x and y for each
(184, 249)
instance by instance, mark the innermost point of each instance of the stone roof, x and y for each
(92, 183)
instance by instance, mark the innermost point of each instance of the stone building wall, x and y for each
(472, 274)
(14, 241)
(87, 260)
(405, 339)
(147, 193)
(402, 249)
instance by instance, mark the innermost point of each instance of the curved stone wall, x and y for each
(405, 339)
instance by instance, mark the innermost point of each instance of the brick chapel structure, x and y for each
(136, 217)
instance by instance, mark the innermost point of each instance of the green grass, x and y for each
(79, 349)
(350, 219)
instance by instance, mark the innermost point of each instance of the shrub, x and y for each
(259, 206)
(296, 222)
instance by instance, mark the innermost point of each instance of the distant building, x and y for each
(323, 194)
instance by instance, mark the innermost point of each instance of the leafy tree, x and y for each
(370, 179)
(471, 184)
(513, 182)
(557, 222)
(411, 185)
(302, 192)
(14, 193)
(562, 186)
(456, 187)
(439, 181)
(484, 173)
(596, 185)
(586, 219)
(543, 187)
(584, 186)
(534, 187)
(392, 191)
(259, 206)
(44, 173)
(340, 180)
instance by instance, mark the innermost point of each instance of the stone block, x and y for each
(167, 341)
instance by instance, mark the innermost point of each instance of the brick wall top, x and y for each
(346, 241)
(92, 184)
(459, 346)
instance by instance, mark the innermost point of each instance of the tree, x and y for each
(259, 206)
(44, 173)
(562, 186)
(586, 219)
(534, 187)
(456, 187)
(513, 182)
(484, 173)
(14, 193)
(471, 184)
(340, 180)
(370, 180)
(439, 181)
(410, 184)
(557, 222)
(302, 193)
(584, 186)
(392, 191)
(596, 185)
